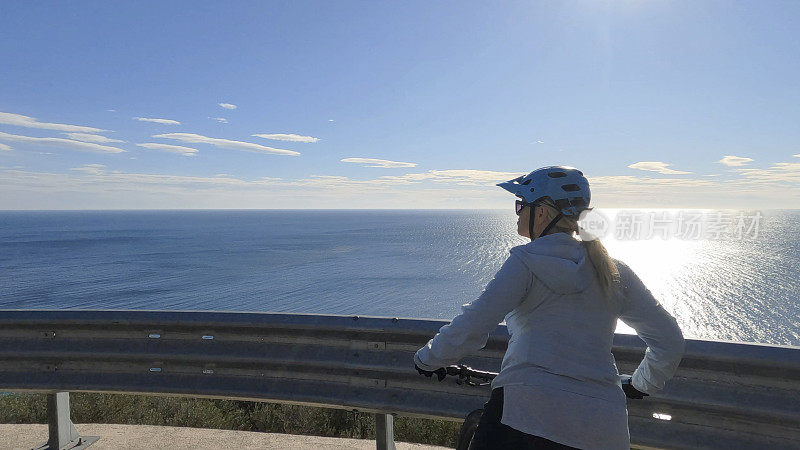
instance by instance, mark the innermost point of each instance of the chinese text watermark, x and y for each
(674, 224)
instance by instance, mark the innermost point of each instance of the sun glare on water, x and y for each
(660, 264)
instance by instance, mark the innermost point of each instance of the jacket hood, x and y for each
(559, 261)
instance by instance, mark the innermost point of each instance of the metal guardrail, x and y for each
(724, 395)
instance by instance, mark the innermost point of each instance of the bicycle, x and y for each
(467, 375)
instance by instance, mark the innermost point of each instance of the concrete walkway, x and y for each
(153, 437)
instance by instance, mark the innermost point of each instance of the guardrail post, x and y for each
(62, 432)
(384, 431)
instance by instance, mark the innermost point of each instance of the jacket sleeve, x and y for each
(469, 331)
(656, 327)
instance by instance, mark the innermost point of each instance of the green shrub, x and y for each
(225, 414)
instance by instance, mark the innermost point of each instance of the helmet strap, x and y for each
(547, 228)
(530, 221)
(549, 225)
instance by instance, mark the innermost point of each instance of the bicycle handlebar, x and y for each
(465, 374)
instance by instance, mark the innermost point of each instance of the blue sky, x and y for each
(668, 104)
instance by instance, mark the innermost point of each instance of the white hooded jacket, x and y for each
(559, 375)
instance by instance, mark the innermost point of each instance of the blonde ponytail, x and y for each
(604, 266)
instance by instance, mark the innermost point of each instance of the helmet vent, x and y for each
(556, 174)
(571, 187)
(562, 203)
(528, 181)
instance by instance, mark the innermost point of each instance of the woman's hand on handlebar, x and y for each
(630, 391)
(441, 372)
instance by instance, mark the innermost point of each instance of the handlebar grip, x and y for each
(466, 371)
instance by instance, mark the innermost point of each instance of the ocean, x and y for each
(422, 264)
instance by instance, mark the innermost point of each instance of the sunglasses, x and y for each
(519, 204)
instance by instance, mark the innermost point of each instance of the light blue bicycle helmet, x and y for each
(565, 186)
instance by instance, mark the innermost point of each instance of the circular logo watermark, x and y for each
(593, 225)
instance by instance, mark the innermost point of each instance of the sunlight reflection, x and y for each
(661, 264)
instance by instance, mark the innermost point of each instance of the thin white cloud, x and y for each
(779, 172)
(797, 155)
(288, 137)
(178, 149)
(735, 161)
(225, 143)
(95, 188)
(95, 177)
(330, 120)
(30, 122)
(625, 191)
(656, 166)
(4, 147)
(227, 105)
(91, 169)
(109, 190)
(92, 186)
(383, 163)
(60, 142)
(161, 121)
(755, 189)
(631, 182)
(219, 119)
(460, 177)
(91, 138)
